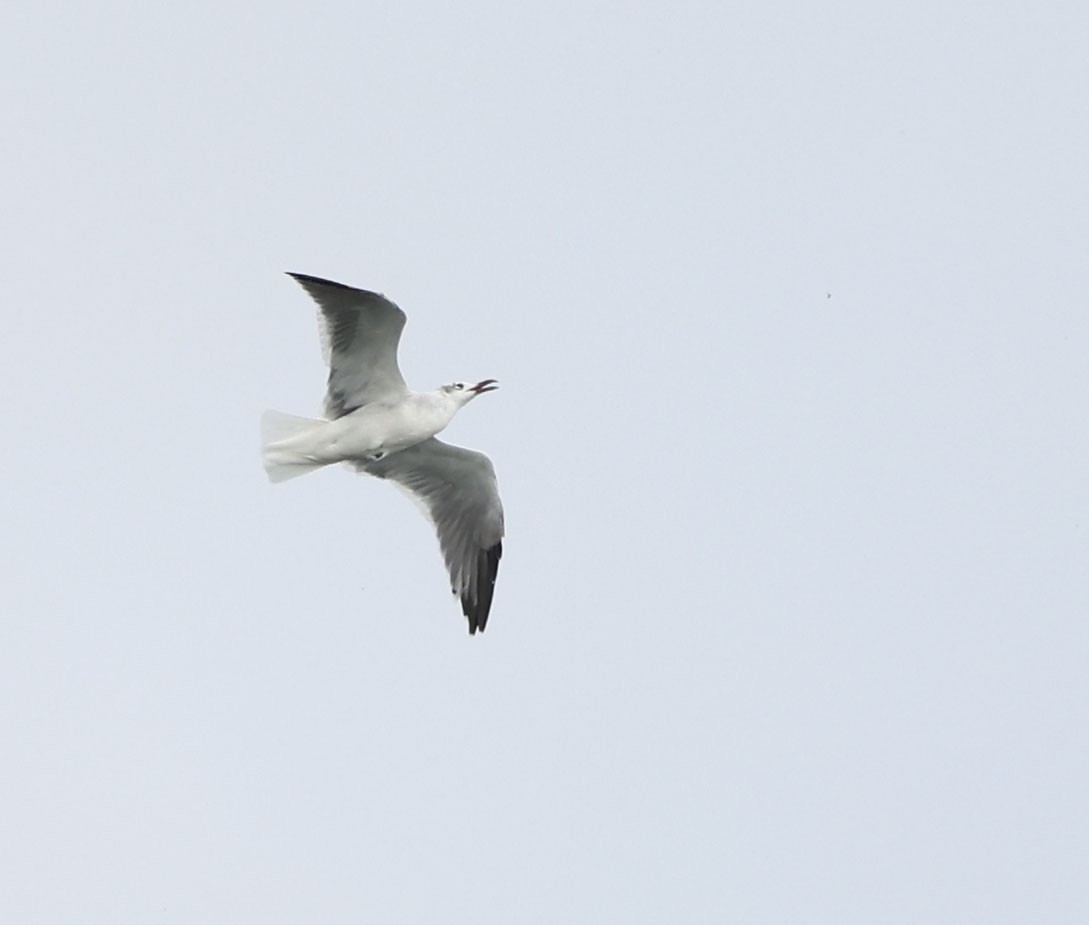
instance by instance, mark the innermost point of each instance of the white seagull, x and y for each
(376, 425)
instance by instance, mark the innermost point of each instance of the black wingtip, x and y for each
(304, 279)
(487, 570)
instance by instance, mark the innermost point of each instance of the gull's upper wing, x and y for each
(458, 490)
(360, 331)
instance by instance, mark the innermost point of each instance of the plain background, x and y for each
(790, 307)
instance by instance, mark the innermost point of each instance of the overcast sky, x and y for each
(790, 307)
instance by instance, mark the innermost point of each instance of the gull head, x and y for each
(464, 393)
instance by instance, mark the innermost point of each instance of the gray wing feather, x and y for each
(360, 331)
(458, 490)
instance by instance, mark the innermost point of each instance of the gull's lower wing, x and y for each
(360, 332)
(458, 490)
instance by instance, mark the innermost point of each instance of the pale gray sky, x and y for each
(791, 623)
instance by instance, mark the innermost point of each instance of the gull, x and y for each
(379, 427)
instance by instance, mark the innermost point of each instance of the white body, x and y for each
(293, 446)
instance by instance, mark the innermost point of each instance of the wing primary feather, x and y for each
(318, 281)
(476, 601)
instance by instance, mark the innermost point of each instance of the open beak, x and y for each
(486, 385)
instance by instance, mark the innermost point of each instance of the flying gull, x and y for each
(378, 426)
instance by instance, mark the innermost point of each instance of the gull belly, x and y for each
(365, 434)
(377, 430)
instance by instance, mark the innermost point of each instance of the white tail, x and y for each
(282, 461)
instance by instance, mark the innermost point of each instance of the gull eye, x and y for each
(459, 385)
